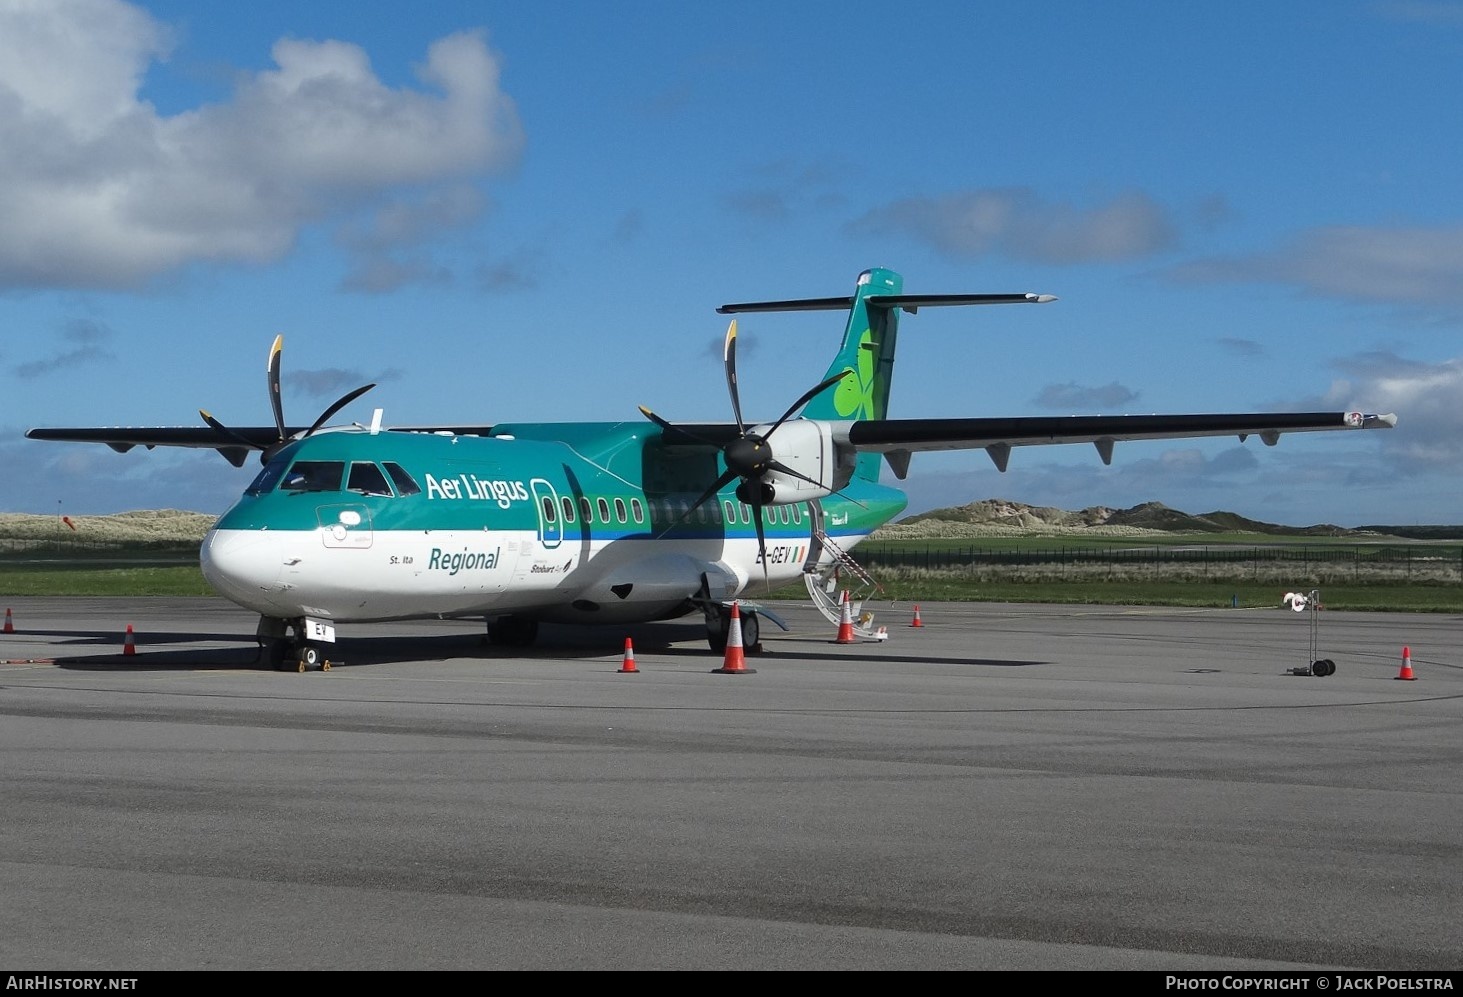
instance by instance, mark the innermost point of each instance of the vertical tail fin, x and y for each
(867, 353)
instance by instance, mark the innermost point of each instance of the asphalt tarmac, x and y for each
(1003, 787)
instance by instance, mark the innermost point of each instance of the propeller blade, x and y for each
(342, 403)
(726, 478)
(781, 468)
(729, 358)
(761, 544)
(671, 428)
(656, 419)
(219, 427)
(807, 397)
(273, 371)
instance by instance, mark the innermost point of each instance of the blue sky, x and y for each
(515, 212)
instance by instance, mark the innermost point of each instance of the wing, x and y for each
(235, 443)
(124, 438)
(897, 439)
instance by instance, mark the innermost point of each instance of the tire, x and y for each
(716, 625)
(751, 630)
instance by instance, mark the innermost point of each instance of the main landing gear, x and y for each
(284, 647)
(718, 626)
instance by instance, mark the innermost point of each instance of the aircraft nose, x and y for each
(243, 566)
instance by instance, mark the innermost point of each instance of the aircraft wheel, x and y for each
(716, 626)
(309, 658)
(751, 630)
(1324, 667)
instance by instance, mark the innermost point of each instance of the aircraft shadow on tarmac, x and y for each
(555, 643)
(100, 638)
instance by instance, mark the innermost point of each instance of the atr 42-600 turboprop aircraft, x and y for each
(611, 522)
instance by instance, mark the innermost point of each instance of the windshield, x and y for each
(367, 479)
(314, 476)
(267, 478)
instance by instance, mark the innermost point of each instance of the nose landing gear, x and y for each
(287, 651)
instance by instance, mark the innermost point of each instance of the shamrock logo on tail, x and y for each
(854, 396)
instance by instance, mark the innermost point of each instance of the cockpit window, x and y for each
(367, 479)
(267, 478)
(403, 481)
(314, 476)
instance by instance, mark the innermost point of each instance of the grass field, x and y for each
(175, 573)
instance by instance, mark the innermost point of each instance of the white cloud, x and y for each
(1075, 397)
(99, 190)
(1409, 266)
(1017, 223)
(1429, 433)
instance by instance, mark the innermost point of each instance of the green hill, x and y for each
(990, 516)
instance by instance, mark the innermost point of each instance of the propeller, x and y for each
(750, 456)
(272, 371)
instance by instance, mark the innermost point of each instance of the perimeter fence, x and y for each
(1317, 563)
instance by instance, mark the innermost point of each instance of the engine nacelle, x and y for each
(806, 446)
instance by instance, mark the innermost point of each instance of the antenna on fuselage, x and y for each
(375, 422)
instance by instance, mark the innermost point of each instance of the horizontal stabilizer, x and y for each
(908, 302)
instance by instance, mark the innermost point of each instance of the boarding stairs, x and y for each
(825, 576)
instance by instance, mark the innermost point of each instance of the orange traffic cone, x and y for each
(735, 662)
(916, 622)
(128, 647)
(629, 665)
(9, 624)
(845, 625)
(1406, 673)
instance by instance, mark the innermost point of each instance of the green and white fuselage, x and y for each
(352, 526)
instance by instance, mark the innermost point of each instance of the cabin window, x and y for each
(405, 484)
(367, 479)
(715, 510)
(731, 512)
(550, 513)
(620, 509)
(568, 505)
(782, 514)
(746, 512)
(314, 476)
(636, 511)
(586, 511)
(604, 510)
(797, 514)
(267, 478)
